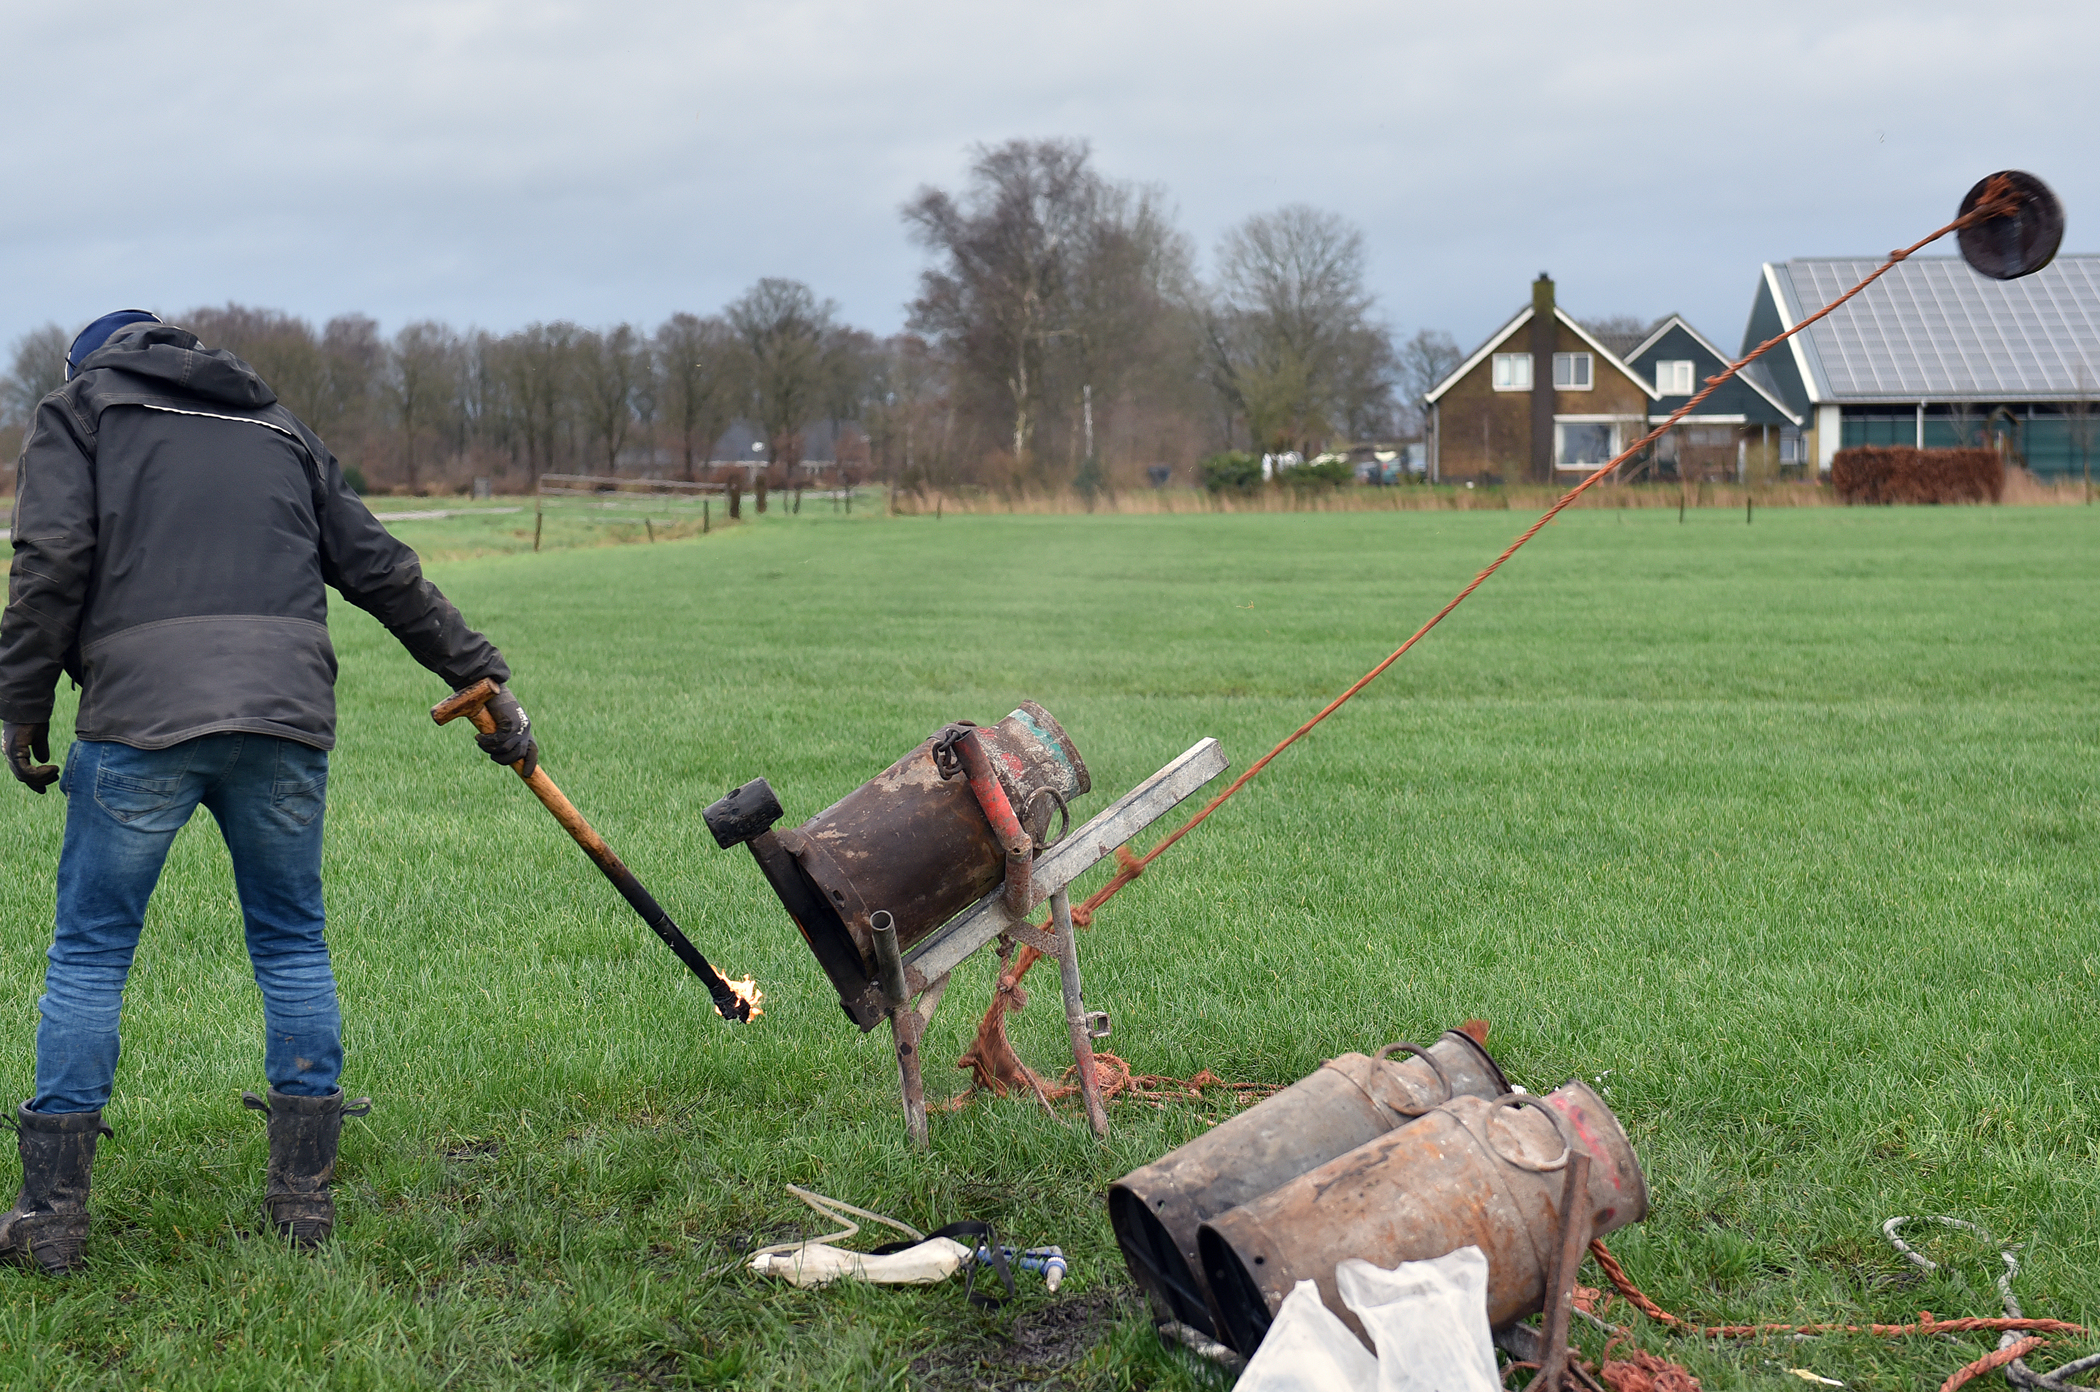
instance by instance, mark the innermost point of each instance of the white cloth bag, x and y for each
(1428, 1319)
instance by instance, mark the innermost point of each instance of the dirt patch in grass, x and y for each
(1042, 1343)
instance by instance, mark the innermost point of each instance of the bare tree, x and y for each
(702, 364)
(1291, 342)
(36, 368)
(282, 348)
(1054, 287)
(1425, 360)
(904, 407)
(782, 326)
(352, 361)
(1002, 296)
(420, 385)
(610, 367)
(538, 365)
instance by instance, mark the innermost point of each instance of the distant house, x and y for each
(1933, 354)
(1744, 430)
(1542, 399)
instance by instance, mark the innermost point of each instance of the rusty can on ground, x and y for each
(1470, 1172)
(1347, 1101)
(917, 846)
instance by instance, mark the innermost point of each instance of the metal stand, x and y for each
(1077, 1021)
(925, 969)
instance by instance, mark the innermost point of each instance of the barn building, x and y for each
(1935, 355)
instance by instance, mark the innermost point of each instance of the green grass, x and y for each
(1786, 832)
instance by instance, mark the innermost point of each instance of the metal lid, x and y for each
(2021, 243)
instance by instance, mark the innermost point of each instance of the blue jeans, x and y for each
(123, 808)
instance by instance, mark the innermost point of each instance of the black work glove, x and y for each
(511, 740)
(30, 740)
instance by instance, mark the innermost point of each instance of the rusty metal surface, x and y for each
(1468, 1173)
(1348, 1101)
(917, 845)
(998, 810)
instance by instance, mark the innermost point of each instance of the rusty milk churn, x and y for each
(1344, 1103)
(1468, 1173)
(912, 842)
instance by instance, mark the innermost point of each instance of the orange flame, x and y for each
(748, 992)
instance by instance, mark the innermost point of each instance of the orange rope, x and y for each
(1999, 198)
(1926, 1324)
(1995, 1359)
(993, 1057)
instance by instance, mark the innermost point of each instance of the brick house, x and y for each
(1542, 400)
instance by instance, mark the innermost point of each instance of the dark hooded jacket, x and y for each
(174, 526)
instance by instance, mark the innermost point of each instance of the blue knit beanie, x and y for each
(97, 334)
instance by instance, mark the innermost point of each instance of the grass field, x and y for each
(1787, 832)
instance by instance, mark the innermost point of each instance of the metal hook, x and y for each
(1526, 1099)
(1435, 1067)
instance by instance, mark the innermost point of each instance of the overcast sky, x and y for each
(494, 164)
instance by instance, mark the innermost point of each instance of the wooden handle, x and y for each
(470, 703)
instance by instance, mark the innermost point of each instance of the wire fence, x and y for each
(628, 501)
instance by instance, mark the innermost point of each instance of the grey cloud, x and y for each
(495, 164)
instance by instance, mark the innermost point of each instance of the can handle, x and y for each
(1526, 1099)
(1437, 1068)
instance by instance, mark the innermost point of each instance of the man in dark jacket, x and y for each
(174, 528)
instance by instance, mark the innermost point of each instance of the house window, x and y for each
(1674, 378)
(1512, 372)
(1571, 371)
(1584, 444)
(1790, 446)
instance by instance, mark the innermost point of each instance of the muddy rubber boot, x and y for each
(303, 1136)
(49, 1222)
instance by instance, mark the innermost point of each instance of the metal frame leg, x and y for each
(907, 1025)
(1075, 1012)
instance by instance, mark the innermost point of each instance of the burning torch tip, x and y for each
(749, 992)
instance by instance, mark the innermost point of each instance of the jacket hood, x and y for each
(164, 353)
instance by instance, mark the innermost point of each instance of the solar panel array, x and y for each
(1934, 329)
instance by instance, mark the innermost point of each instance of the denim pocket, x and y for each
(301, 802)
(128, 798)
(301, 787)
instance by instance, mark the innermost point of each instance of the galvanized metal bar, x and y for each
(942, 950)
(1075, 1012)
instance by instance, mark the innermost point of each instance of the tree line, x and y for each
(1061, 336)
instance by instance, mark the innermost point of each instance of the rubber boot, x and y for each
(49, 1222)
(304, 1132)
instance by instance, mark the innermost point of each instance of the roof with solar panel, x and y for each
(1932, 330)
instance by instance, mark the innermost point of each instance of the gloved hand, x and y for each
(25, 742)
(511, 740)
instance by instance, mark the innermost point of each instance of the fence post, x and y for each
(736, 498)
(706, 516)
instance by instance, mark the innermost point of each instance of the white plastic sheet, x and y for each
(1428, 1320)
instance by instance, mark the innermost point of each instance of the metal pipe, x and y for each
(999, 811)
(1075, 1012)
(888, 960)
